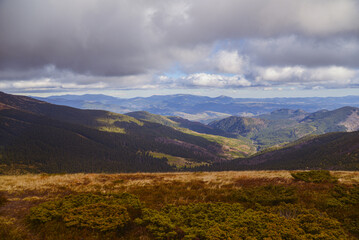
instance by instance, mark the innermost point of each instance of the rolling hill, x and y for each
(333, 151)
(36, 136)
(233, 146)
(33, 143)
(284, 126)
(45, 137)
(179, 122)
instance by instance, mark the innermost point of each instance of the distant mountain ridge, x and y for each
(283, 126)
(201, 108)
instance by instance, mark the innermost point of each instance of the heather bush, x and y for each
(100, 212)
(343, 204)
(9, 231)
(268, 195)
(98, 216)
(188, 221)
(196, 210)
(315, 176)
(216, 221)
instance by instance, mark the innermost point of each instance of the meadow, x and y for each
(200, 205)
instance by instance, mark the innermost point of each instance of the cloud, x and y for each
(47, 84)
(230, 62)
(310, 52)
(214, 80)
(126, 44)
(234, 19)
(332, 76)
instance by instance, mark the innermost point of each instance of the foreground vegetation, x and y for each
(202, 205)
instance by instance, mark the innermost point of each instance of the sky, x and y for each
(128, 48)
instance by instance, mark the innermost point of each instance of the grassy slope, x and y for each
(232, 147)
(178, 162)
(143, 115)
(328, 151)
(38, 143)
(126, 132)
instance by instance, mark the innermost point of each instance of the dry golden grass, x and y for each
(105, 182)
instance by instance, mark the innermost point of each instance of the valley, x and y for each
(37, 136)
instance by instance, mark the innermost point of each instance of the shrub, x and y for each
(9, 231)
(268, 195)
(188, 221)
(315, 176)
(315, 223)
(102, 212)
(98, 216)
(215, 221)
(343, 204)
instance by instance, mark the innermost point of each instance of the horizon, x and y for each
(212, 93)
(187, 94)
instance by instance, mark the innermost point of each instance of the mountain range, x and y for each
(285, 125)
(201, 108)
(267, 130)
(36, 136)
(39, 136)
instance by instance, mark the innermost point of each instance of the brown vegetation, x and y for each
(157, 190)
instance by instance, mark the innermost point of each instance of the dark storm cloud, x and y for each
(118, 40)
(293, 50)
(95, 37)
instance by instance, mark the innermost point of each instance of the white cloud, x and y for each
(48, 84)
(340, 75)
(276, 74)
(215, 80)
(327, 76)
(230, 62)
(43, 83)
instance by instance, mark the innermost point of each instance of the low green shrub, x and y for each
(101, 212)
(315, 176)
(268, 195)
(188, 221)
(343, 204)
(98, 216)
(215, 221)
(262, 212)
(9, 231)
